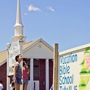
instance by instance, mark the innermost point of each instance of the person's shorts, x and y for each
(25, 81)
(18, 80)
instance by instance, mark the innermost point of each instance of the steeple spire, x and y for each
(18, 26)
(18, 17)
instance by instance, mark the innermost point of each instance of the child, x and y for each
(87, 61)
(18, 72)
(25, 77)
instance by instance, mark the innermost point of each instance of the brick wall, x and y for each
(3, 73)
(42, 75)
(50, 72)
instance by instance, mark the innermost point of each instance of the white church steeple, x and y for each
(18, 26)
(18, 17)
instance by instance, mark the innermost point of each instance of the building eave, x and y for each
(75, 49)
(39, 40)
(3, 62)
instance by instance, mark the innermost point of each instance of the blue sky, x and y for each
(66, 22)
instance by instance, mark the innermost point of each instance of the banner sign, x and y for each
(74, 70)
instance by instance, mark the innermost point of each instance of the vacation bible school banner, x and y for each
(74, 70)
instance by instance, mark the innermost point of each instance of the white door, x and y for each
(35, 85)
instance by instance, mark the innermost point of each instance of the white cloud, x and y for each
(50, 8)
(33, 8)
(25, 14)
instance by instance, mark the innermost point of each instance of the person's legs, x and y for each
(25, 86)
(17, 86)
(25, 81)
(18, 83)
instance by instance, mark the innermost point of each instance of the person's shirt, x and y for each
(1, 86)
(25, 73)
(19, 70)
(11, 88)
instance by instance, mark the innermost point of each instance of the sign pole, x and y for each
(55, 67)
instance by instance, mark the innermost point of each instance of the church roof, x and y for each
(3, 54)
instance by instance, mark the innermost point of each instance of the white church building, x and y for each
(38, 54)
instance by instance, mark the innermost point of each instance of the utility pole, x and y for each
(55, 67)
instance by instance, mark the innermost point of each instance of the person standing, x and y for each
(18, 72)
(1, 85)
(12, 86)
(25, 77)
